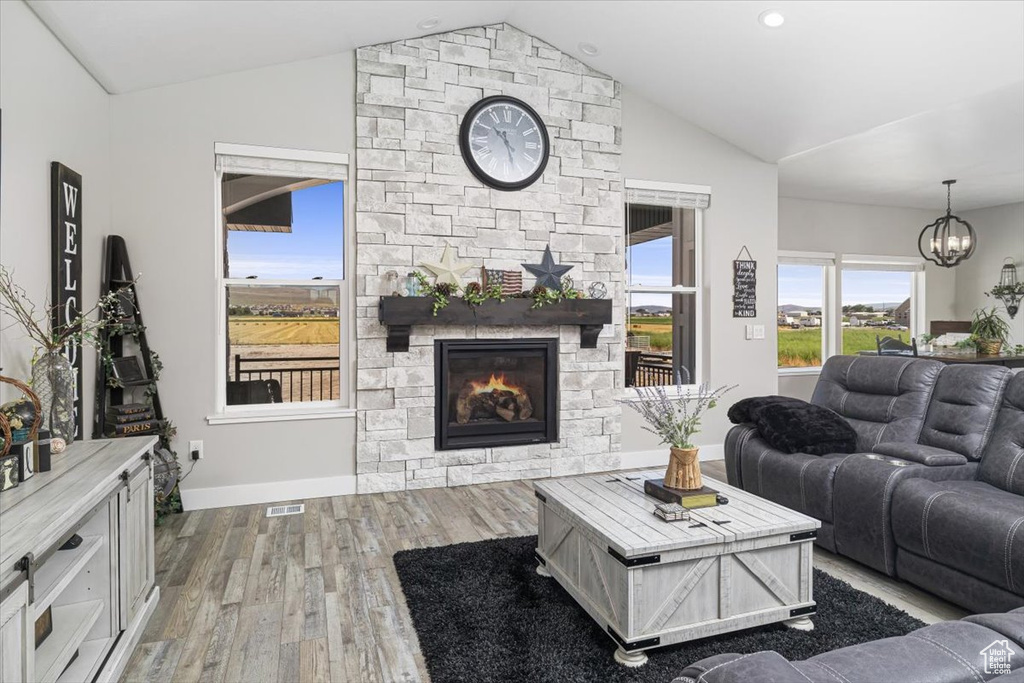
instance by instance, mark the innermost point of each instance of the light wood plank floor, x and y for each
(315, 597)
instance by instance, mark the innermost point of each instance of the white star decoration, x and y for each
(447, 271)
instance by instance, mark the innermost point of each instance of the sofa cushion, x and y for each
(747, 410)
(1002, 463)
(883, 398)
(805, 428)
(799, 481)
(968, 525)
(923, 455)
(963, 408)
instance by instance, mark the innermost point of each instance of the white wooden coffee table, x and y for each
(651, 583)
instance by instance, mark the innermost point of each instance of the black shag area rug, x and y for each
(482, 613)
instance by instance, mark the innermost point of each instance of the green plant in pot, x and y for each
(989, 331)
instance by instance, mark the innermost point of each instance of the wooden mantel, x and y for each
(401, 313)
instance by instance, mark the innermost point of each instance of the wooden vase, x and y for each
(683, 469)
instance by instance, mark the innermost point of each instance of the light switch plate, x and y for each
(758, 331)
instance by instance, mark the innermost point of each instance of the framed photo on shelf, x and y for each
(127, 369)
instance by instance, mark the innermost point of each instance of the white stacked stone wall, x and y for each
(414, 194)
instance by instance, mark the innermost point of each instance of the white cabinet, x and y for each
(137, 572)
(15, 631)
(100, 591)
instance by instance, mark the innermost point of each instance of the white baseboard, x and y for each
(269, 492)
(659, 456)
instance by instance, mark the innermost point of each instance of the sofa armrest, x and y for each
(862, 504)
(767, 665)
(735, 445)
(922, 455)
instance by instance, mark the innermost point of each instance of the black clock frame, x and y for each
(467, 155)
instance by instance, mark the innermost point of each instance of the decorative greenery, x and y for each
(675, 419)
(1000, 291)
(988, 326)
(926, 338)
(85, 328)
(474, 294)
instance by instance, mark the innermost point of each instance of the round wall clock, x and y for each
(504, 143)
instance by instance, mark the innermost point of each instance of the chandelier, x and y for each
(952, 239)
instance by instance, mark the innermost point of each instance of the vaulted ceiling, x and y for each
(870, 102)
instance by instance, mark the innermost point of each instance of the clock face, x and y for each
(504, 143)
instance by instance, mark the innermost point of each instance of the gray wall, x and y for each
(163, 161)
(657, 145)
(53, 111)
(1000, 234)
(808, 225)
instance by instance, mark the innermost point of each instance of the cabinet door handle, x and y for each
(127, 485)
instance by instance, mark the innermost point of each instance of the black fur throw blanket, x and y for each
(794, 426)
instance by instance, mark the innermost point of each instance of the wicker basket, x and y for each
(5, 430)
(990, 347)
(34, 429)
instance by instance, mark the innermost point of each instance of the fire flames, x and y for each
(499, 383)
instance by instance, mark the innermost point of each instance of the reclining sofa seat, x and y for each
(947, 652)
(961, 416)
(964, 540)
(884, 399)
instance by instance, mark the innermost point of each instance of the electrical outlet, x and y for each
(195, 450)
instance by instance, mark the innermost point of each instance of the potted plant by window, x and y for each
(989, 331)
(674, 417)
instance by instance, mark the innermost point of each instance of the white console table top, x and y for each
(34, 515)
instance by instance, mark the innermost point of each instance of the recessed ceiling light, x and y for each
(589, 49)
(429, 23)
(771, 18)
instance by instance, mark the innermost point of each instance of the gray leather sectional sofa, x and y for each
(965, 651)
(935, 493)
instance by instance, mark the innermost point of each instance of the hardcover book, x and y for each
(135, 428)
(130, 417)
(127, 409)
(703, 497)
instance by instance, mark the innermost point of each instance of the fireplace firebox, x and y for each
(498, 392)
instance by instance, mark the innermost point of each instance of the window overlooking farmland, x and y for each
(662, 256)
(819, 316)
(283, 271)
(801, 315)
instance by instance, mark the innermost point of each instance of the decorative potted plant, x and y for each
(53, 377)
(675, 419)
(989, 331)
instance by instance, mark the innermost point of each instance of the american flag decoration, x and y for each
(510, 281)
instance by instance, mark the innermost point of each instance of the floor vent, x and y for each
(282, 510)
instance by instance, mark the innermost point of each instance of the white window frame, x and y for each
(679, 195)
(830, 322)
(904, 264)
(296, 163)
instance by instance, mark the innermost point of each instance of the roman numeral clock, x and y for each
(504, 143)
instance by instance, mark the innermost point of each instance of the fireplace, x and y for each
(495, 392)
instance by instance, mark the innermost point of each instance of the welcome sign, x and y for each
(66, 265)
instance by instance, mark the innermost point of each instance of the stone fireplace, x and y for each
(495, 392)
(414, 195)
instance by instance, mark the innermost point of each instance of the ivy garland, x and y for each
(474, 294)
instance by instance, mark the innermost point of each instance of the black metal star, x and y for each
(548, 274)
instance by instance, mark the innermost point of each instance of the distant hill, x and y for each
(640, 310)
(276, 296)
(789, 308)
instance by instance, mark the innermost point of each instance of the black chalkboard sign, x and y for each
(744, 283)
(66, 265)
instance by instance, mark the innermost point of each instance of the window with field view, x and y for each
(283, 271)
(876, 303)
(802, 315)
(662, 295)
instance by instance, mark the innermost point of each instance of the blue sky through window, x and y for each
(801, 286)
(314, 247)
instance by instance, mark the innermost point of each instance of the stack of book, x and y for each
(131, 419)
(671, 512)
